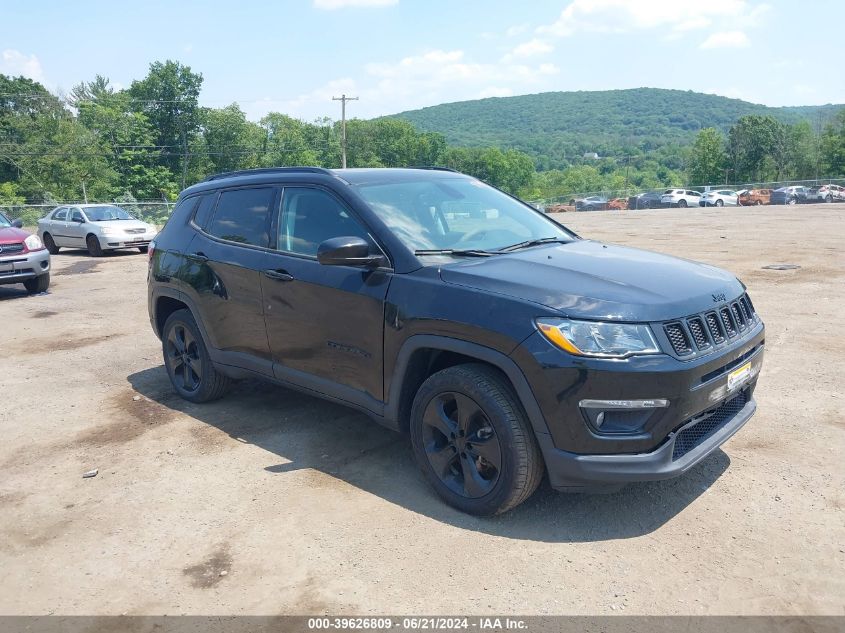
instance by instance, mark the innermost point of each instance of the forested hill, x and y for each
(556, 127)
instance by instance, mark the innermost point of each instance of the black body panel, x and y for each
(354, 334)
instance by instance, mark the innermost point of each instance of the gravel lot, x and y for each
(272, 502)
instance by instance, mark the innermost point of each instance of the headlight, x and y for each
(110, 231)
(598, 338)
(33, 243)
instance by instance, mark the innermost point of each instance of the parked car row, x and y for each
(25, 258)
(677, 197)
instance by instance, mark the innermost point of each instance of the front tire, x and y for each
(50, 243)
(473, 442)
(791, 201)
(682, 204)
(828, 198)
(38, 284)
(186, 359)
(719, 203)
(93, 245)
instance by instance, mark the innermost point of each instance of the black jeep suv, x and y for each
(504, 344)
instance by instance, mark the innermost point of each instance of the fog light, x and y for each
(620, 417)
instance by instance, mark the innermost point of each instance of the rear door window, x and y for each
(60, 214)
(243, 216)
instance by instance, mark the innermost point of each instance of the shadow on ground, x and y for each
(306, 432)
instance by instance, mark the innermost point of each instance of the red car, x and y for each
(23, 258)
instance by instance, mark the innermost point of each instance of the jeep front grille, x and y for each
(700, 332)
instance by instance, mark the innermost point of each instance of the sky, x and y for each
(293, 56)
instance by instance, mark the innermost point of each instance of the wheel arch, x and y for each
(422, 355)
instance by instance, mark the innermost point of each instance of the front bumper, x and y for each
(570, 471)
(125, 241)
(21, 267)
(578, 454)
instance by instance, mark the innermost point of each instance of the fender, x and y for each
(486, 354)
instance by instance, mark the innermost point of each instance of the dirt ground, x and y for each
(272, 502)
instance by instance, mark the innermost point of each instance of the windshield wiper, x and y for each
(537, 242)
(466, 252)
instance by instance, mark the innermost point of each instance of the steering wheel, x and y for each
(496, 235)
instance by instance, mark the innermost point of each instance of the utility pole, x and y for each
(343, 99)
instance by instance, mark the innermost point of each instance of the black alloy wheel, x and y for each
(183, 358)
(191, 372)
(472, 440)
(461, 445)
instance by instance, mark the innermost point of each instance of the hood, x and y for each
(123, 224)
(586, 279)
(11, 235)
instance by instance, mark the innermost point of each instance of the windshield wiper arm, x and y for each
(537, 242)
(466, 252)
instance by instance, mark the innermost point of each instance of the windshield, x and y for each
(4, 222)
(103, 214)
(458, 214)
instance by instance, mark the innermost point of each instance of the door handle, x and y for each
(279, 275)
(200, 257)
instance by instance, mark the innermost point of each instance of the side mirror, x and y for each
(348, 251)
(79, 220)
(17, 223)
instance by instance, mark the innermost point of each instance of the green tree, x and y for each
(129, 142)
(231, 142)
(707, 162)
(833, 146)
(287, 142)
(751, 140)
(168, 96)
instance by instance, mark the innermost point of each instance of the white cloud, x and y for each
(621, 16)
(530, 49)
(429, 78)
(15, 63)
(517, 29)
(331, 5)
(727, 39)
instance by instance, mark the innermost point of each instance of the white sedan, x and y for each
(97, 227)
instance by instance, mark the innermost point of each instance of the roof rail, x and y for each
(436, 168)
(269, 170)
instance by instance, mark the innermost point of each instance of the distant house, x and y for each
(591, 155)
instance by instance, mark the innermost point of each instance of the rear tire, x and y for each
(186, 359)
(93, 245)
(828, 198)
(473, 441)
(791, 201)
(50, 243)
(682, 204)
(38, 284)
(719, 203)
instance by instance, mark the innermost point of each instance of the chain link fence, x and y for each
(155, 212)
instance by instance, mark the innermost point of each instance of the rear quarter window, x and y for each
(203, 212)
